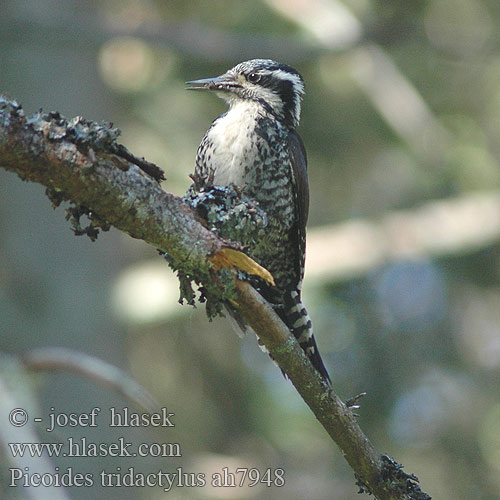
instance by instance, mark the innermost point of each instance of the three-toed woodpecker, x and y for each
(254, 148)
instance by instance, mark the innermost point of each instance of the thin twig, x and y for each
(60, 358)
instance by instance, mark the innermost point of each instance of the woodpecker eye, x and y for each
(253, 77)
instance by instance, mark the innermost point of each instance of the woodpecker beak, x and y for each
(221, 83)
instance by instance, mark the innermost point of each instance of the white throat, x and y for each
(231, 147)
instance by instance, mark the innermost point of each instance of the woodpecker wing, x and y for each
(298, 161)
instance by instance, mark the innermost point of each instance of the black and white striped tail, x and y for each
(300, 324)
(296, 318)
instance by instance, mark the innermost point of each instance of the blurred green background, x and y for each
(401, 112)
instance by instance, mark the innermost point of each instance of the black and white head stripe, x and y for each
(277, 86)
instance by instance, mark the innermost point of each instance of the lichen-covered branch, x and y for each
(81, 162)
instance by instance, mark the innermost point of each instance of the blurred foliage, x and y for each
(421, 337)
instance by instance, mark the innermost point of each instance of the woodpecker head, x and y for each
(275, 86)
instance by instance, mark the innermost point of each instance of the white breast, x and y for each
(233, 149)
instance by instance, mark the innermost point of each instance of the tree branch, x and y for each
(90, 367)
(81, 162)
